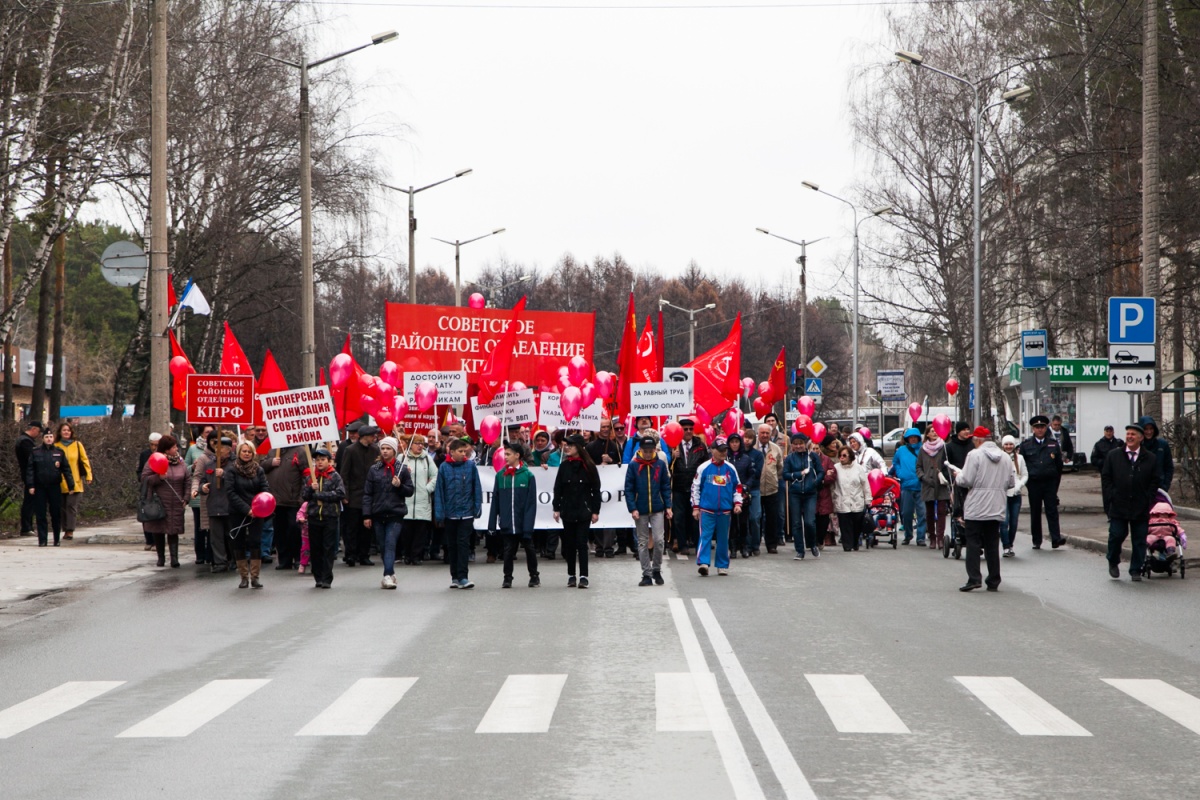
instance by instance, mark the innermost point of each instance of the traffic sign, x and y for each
(890, 383)
(971, 396)
(1034, 349)
(1131, 355)
(814, 386)
(1132, 320)
(1130, 379)
(817, 367)
(220, 399)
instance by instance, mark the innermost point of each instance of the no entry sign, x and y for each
(220, 399)
(299, 416)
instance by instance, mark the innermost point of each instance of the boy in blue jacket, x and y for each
(457, 503)
(648, 498)
(716, 494)
(514, 512)
(904, 469)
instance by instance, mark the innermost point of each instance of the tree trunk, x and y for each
(60, 303)
(7, 362)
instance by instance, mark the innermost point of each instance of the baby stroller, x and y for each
(1165, 540)
(885, 514)
(955, 538)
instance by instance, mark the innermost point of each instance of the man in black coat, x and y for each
(25, 444)
(1129, 479)
(357, 459)
(1043, 459)
(1104, 446)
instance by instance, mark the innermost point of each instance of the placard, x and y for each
(220, 399)
(513, 408)
(550, 414)
(299, 416)
(662, 399)
(451, 386)
(613, 511)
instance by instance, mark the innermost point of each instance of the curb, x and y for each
(1096, 546)
(128, 538)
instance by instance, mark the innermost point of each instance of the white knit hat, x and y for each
(390, 441)
(1008, 440)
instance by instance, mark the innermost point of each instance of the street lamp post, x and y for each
(802, 260)
(308, 349)
(499, 289)
(457, 266)
(691, 312)
(412, 226)
(1009, 97)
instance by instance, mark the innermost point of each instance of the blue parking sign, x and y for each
(1132, 320)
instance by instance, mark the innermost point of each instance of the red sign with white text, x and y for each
(434, 338)
(220, 399)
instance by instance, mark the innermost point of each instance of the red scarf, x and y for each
(510, 471)
(647, 461)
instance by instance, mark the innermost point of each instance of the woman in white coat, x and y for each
(867, 457)
(851, 495)
(1008, 527)
(416, 538)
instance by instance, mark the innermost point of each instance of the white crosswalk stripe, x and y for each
(49, 705)
(201, 706)
(524, 704)
(1164, 698)
(359, 710)
(1023, 710)
(677, 704)
(854, 705)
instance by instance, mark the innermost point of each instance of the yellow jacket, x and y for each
(77, 459)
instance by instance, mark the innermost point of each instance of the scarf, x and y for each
(173, 460)
(65, 442)
(247, 469)
(646, 461)
(934, 447)
(510, 471)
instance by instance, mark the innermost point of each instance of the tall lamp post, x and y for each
(496, 292)
(457, 264)
(412, 227)
(875, 212)
(308, 350)
(1009, 97)
(691, 312)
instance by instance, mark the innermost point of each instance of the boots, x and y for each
(160, 546)
(255, 568)
(173, 544)
(244, 570)
(941, 541)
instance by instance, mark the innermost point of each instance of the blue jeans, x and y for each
(1118, 529)
(1008, 526)
(802, 516)
(268, 536)
(910, 504)
(390, 532)
(754, 508)
(716, 526)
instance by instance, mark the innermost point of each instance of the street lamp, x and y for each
(691, 312)
(1011, 96)
(412, 227)
(510, 284)
(802, 260)
(457, 272)
(308, 348)
(875, 212)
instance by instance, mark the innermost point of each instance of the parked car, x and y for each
(891, 440)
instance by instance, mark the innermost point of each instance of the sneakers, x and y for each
(721, 572)
(535, 582)
(471, 556)
(465, 584)
(1135, 577)
(703, 570)
(646, 581)
(571, 582)
(1008, 553)
(658, 578)
(798, 557)
(454, 584)
(583, 582)
(507, 584)
(388, 582)
(816, 552)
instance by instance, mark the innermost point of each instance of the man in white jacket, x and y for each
(987, 475)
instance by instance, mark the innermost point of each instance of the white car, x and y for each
(891, 440)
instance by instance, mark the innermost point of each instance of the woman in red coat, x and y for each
(172, 490)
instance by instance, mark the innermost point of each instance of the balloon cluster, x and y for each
(762, 403)
(378, 393)
(578, 388)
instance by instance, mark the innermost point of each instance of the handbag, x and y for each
(869, 526)
(150, 507)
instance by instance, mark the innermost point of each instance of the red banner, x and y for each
(220, 399)
(433, 338)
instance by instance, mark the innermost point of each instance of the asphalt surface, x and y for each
(710, 687)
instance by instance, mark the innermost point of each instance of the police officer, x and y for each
(1043, 457)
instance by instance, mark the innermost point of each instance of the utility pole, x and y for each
(160, 354)
(803, 262)
(9, 410)
(1152, 403)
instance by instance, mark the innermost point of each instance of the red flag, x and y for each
(645, 360)
(233, 358)
(778, 379)
(321, 378)
(495, 372)
(717, 382)
(662, 354)
(270, 379)
(179, 382)
(172, 300)
(625, 362)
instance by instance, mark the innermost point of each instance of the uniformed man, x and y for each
(1043, 458)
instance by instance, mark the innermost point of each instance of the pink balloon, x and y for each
(747, 386)
(571, 402)
(951, 388)
(672, 433)
(865, 432)
(489, 429)
(702, 414)
(382, 389)
(263, 505)
(605, 384)
(732, 422)
(764, 388)
(390, 372)
(589, 394)
(158, 462)
(425, 395)
(476, 300)
(806, 405)
(579, 370)
(340, 370)
(914, 411)
(564, 383)
(804, 424)
(498, 460)
(875, 480)
(516, 386)
(563, 371)
(368, 403)
(400, 407)
(819, 432)
(709, 434)
(941, 425)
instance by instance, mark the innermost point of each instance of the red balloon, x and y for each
(764, 388)
(476, 300)
(747, 386)
(589, 394)
(951, 388)
(340, 370)
(400, 407)
(804, 424)
(158, 462)
(263, 505)
(941, 425)
(368, 403)
(564, 383)
(875, 480)
(865, 432)
(761, 407)
(179, 367)
(425, 395)
(366, 382)
(579, 370)
(819, 432)
(571, 402)
(702, 414)
(732, 422)
(605, 384)
(806, 405)
(498, 460)
(516, 386)
(390, 372)
(672, 434)
(710, 435)
(489, 429)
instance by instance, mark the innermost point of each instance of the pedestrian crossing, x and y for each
(527, 704)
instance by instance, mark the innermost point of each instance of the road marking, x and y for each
(854, 705)
(1164, 698)
(524, 704)
(677, 704)
(794, 784)
(360, 708)
(186, 715)
(48, 705)
(733, 753)
(1024, 711)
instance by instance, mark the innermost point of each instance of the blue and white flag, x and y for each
(193, 298)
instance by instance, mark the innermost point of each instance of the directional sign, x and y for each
(814, 386)
(1130, 379)
(817, 367)
(1131, 355)
(1034, 350)
(1132, 320)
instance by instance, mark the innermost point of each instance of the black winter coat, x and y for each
(355, 465)
(683, 471)
(382, 501)
(1129, 489)
(47, 468)
(242, 490)
(25, 445)
(1044, 459)
(576, 491)
(957, 450)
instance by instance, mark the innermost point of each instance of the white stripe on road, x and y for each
(524, 704)
(677, 704)
(203, 705)
(1024, 711)
(854, 705)
(49, 705)
(733, 754)
(360, 708)
(1163, 698)
(795, 785)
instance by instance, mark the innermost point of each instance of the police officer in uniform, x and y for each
(1043, 457)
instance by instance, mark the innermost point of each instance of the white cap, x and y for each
(390, 441)
(154, 437)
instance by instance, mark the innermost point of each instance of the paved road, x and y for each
(856, 675)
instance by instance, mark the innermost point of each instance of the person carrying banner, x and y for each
(648, 498)
(576, 504)
(716, 493)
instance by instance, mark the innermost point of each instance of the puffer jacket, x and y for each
(514, 502)
(47, 469)
(382, 501)
(242, 489)
(647, 486)
(424, 476)
(458, 494)
(577, 490)
(746, 465)
(325, 498)
(904, 467)
(988, 475)
(867, 456)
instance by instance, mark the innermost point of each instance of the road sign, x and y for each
(1130, 379)
(971, 396)
(1131, 355)
(817, 367)
(220, 399)
(1034, 349)
(814, 386)
(123, 264)
(890, 383)
(1132, 320)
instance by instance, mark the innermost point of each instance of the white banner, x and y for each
(550, 414)
(299, 416)
(613, 513)
(513, 408)
(451, 386)
(664, 399)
